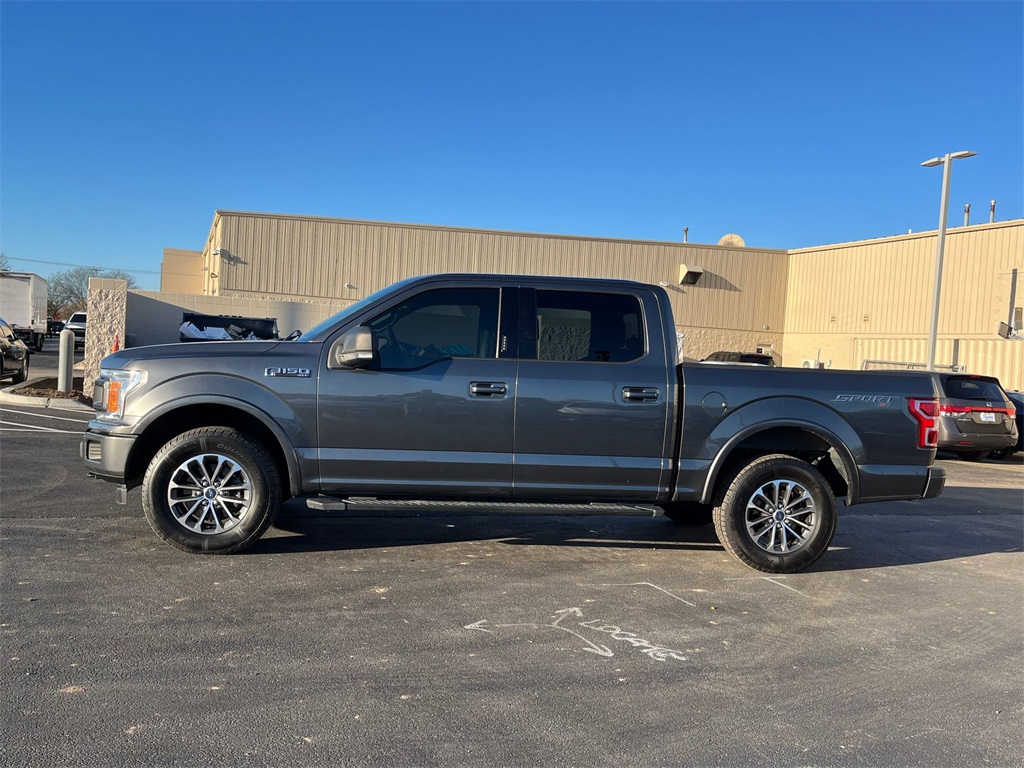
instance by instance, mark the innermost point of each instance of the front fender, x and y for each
(283, 418)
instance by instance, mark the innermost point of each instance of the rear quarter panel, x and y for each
(862, 414)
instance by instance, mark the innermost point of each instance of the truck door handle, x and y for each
(488, 389)
(639, 394)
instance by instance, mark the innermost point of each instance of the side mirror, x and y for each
(353, 350)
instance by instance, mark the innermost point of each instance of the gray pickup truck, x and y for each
(505, 393)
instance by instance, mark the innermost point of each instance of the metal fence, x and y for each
(895, 365)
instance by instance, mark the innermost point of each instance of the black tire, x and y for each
(689, 512)
(812, 514)
(972, 455)
(39, 342)
(21, 376)
(237, 472)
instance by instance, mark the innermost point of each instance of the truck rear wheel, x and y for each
(777, 514)
(212, 490)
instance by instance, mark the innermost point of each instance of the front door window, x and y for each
(436, 325)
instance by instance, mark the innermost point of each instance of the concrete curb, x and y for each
(10, 396)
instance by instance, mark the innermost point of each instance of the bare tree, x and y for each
(69, 289)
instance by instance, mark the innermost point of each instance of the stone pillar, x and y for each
(107, 310)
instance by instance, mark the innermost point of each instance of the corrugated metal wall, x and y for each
(871, 300)
(991, 357)
(884, 287)
(270, 255)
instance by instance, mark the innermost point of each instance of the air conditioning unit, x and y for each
(811, 364)
(1013, 330)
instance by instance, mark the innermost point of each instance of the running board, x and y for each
(359, 505)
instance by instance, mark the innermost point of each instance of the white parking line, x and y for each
(44, 416)
(34, 428)
(45, 432)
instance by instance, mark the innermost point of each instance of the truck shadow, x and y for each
(963, 522)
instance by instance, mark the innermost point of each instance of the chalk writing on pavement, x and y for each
(568, 619)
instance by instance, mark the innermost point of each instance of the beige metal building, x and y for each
(871, 300)
(839, 304)
(181, 271)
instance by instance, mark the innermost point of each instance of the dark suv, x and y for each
(975, 415)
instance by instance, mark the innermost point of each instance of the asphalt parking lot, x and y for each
(513, 641)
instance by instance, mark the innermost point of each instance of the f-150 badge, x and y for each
(295, 373)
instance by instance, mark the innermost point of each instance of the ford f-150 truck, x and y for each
(505, 392)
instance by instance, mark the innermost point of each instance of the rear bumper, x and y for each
(978, 442)
(899, 482)
(935, 483)
(952, 438)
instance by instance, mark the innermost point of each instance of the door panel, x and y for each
(596, 426)
(434, 413)
(423, 431)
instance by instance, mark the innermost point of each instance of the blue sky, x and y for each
(124, 126)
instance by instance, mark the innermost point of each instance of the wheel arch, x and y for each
(809, 442)
(180, 417)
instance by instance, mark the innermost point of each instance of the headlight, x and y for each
(111, 390)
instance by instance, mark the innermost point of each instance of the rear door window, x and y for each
(581, 326)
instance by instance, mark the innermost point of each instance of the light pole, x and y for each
(946, 161)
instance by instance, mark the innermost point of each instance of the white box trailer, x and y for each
(23, 297)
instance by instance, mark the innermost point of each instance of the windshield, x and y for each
(347, 312)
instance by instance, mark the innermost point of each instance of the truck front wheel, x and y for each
(212, 490)
(777, 514)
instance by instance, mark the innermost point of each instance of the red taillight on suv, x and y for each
(924, 410)
(960, 410)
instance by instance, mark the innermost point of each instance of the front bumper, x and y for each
(106, 456)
